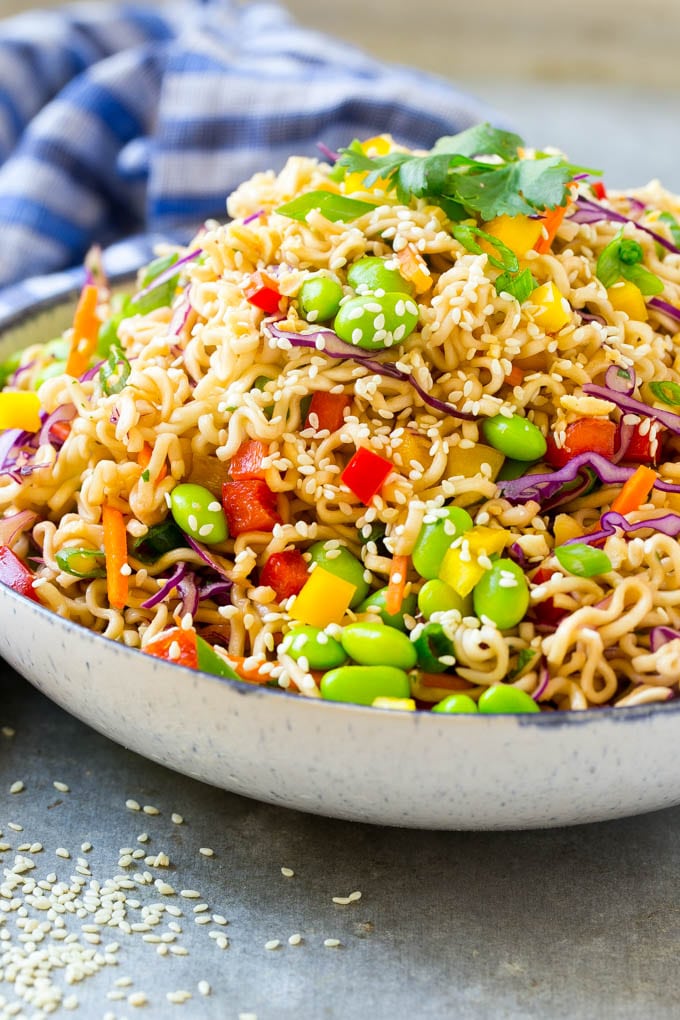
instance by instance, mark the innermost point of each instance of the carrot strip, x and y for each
(414, 268)
(144, 459)
(115, 551)
(396, 584)
(552, 220)
(635, 491)
(515, 376)
(85, 329)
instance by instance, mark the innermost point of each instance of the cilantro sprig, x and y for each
(479, 172)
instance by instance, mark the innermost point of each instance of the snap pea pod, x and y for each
(431, 646)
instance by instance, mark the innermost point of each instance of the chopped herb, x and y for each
(526, 655)
(159, 539)
(145, 475)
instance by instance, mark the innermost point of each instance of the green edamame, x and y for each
(197, 512)
(374, 644)
(503, 699)
(373, 273)
(376, 603)
(361, 685)
(338, 560)
(431, 646)
(516, 437)
(320, 298)
(319, 649)
(456, 703)
(375, 322)
(436, 536)
(439, 597)
(502, 594)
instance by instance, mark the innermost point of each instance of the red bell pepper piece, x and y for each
(585, 435)
(599, 190)
(247, 461)
(263, 292)
(641, 449)
(329, 409)
(285, 572)
(61, 430)
(176, 645)
(16, 574)
(546, 612)
(250, 505)
(365, 473)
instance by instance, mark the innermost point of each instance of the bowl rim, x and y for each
(564, 717)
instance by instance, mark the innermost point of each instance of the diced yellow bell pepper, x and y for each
(551, 309)
(626, 297)
(461, 568)
(324, 599)
(413, 447)
(468, 463)
(565, 528)
(519, 233)
(414, 268)
(401, 704)
(379, 145)
(20, 410)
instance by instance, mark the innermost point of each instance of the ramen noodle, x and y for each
(358, 445)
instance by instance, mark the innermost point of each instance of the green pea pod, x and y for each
(81, 562)
(210, 662)
(159, 296)
(333, 207)
(431, 645)
(583, 560)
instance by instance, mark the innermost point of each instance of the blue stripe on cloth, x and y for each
(120, 117)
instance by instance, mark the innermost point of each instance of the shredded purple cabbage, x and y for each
(543, 681)
(65, 412)
(208, 558)
(180, 315)
(14, 525)
(331, 344)
(331, 156)
(661, 635)
(628, 403)
(587, 211)
(253, 216)
(517, 554)
(172, 582)
(188, 589)
(218, 592)
(667, 524)
(665, 308)
(621, 379)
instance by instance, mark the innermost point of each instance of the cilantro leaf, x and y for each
(520, 188)
(481, 140)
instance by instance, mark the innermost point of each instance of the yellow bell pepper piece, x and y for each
(626, 297)
(413, 447)
(519, 233)
(461, 568)
(379, 145)
(20, 410)
(468, 463)
(550, 308)
(401, 704)
(414, 268)
(566, 527)
(324, 599)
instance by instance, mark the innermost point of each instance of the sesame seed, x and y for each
(272, 944)
(204, 988)
(17, 787)
(61, 787)
(137, 999)
(331, 943)
(62, 852)
(190, 894)
(178, 997)
(149, 809)
(133, 805)
(295, 940)
(177, 819)
(287, 872)
(206, 851)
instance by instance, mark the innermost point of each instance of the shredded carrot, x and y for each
(115, 551)
(414, 268)
(85, 330)
(396, 584)
(552, 220)
(515, 376)
(635, 491)
(144, 459)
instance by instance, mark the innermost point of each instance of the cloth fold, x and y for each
(121, 120)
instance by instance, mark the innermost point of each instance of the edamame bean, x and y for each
(456, 703)
(439, 597)
(374, 644)
(197, 512)
(375, 322)
(516, 437)
(338, 560)
(431, 645)
(502, 594)
(361, 685)
(319, 649)
(376, 603)
(503, 699)
(319, 298)
(436, 536)
(372, 273)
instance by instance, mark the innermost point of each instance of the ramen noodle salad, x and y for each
(403, 432)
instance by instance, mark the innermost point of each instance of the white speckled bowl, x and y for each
(412, 769)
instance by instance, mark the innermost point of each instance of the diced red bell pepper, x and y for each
(599, 190)
(546, 612)
(641, 449)
(285, 572)
(16, 574)
(176, 645)
(263, 292)
(250, 505)
(329, 409)
(247, 461)
(365, 474)
(585, 435)
(61, 430)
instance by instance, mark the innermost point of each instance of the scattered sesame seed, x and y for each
(177, 819)
(143, 837)
(17, 787)
(149, 809)
(204, 988)
(190, 894)
(295, 940)
(133, 805)
(137, 999)
(287, 872)
(62, 852)
(272, 944)
(206, 851)
(178, 997)
(331, 943)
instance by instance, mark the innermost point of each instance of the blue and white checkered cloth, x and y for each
(129, 122)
